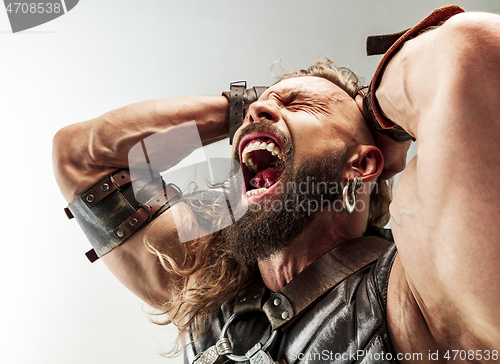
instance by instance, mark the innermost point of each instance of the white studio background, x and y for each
(56, 307)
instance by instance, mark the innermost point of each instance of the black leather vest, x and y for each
(347, 325)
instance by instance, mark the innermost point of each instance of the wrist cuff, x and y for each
(239, 100)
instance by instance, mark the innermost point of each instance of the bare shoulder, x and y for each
(446, 206)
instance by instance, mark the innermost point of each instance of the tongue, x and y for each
(266, 178)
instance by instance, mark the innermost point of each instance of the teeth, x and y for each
(256, 191)
(277, 152)
(271, 147)
(250, 164)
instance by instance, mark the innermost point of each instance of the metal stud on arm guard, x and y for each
(390, 44)
(109, 214)
(239, 100)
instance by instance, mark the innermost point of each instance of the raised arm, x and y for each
(85, 152)
(443, 88)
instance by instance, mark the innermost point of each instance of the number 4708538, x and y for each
(471, 355)
(33, 8)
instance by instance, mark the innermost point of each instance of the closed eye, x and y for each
(304, 102)
(300, 100)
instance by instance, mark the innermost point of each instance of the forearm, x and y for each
(117, 131)
(406, 88)
(454, 65)
(86, 151)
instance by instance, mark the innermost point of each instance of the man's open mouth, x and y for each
(262, 164)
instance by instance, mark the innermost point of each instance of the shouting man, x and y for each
(293, 284)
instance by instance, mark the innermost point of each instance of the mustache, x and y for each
(254, 127)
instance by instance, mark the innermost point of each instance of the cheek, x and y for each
(235, 146)
(314, 144)
(235, 150)
(313, 135)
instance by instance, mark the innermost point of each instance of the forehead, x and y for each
(335, 102)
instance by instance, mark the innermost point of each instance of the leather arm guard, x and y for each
(239, 100)
(109, 214)
(390, 44)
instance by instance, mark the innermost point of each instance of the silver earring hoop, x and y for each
(349, 194)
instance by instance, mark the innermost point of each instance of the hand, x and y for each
(394, 152)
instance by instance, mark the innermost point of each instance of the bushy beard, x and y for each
(272, 224)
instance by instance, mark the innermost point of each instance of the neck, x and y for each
(321, 236)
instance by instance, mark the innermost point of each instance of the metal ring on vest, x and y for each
(233, 357)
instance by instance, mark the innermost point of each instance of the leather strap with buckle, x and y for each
(109, 213)
(285, 306)
(239, 100)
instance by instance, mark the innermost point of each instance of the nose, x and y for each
(262, 111)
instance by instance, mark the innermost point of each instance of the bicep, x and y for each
(143, 263)
(445, 212)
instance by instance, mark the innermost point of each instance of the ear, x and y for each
(366, 162)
